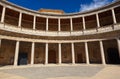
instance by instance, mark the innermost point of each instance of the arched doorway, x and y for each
(113, 56)
(51, 56)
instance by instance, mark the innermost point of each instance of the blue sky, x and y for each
(69, 6)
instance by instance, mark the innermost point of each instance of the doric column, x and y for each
(59, 28)
(46, 24)
(71, 24)
(46, 53)
(34, 22)
(3, 14)
(86, 52)
(20, 20)
(118, 43)
(113, 15)
(102, 52)
(73, 53)
(16, 53)
(59, 48)
(32, 53)
(98, 22)
(83, 19)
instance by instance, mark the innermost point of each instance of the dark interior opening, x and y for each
(113, 56)
(51, 56)
(22, 59)
(79, 58)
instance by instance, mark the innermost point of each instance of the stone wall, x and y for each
(39, 56)
(7, 52)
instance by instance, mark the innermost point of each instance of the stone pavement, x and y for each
(9, 76)
(61, 72)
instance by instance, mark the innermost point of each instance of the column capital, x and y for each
(59, 43)
(85, 41)
(72, 42)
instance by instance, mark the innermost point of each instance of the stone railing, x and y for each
(11, 28)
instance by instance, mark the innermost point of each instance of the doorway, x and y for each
(113, 56)
(23, 58)
(51, 56)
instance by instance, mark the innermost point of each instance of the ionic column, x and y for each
(113, 15)
(71, 24)
(20, 19)
(83, 19)
(46, 53)
(32, 53)
(73, 53)
(86, 52)
(59, 48)
(59, 28)
(34, 22)
(16, 53)
(118, 43)
(46, 24)
(3, 14)
(98, 22)
(102, 52)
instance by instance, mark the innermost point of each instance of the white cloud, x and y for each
(94, 4)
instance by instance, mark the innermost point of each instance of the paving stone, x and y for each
(51, 72)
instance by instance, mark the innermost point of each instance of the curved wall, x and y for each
(86, 37)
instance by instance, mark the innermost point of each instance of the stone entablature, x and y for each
(25, 37)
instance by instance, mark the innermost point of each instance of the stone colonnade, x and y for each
(59, 20)
(59, 52)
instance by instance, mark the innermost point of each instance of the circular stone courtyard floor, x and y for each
(60, 72)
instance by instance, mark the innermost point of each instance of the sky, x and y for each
(68, 6)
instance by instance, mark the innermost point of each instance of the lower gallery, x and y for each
(90, 52)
